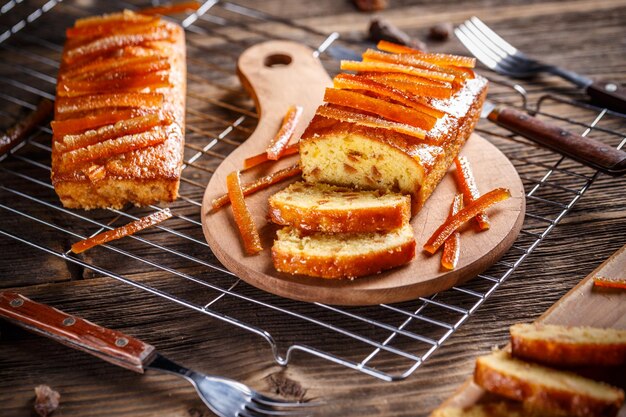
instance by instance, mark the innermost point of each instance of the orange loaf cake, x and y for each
(118, 130)
(394, 126)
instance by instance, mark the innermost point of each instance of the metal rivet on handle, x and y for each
(69, 321)
(121, 342)
(16, 302)
(610, 87)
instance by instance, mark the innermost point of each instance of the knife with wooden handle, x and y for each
(110, 345)
(587, 151)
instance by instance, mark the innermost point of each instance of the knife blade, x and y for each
(586, 150)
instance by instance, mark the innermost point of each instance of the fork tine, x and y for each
(507, 47)
(273, 402)
(486, 42)
(472, 44)
(292, 412)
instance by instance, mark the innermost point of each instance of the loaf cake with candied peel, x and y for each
(118, 130)
(396, 125)
(332, 209)
(341, 255)
(546, 390)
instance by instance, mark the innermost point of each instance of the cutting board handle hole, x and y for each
(277, 60)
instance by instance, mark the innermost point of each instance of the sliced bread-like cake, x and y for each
(332, 209)
(343, 255)
(545, 389)
(568, 346)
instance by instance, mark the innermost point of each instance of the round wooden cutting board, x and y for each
(278, 74)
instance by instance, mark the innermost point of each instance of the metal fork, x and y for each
(225, 397)
(502, 57)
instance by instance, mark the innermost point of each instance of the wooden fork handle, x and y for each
(585, 150)
(608, 94)
(110, 345)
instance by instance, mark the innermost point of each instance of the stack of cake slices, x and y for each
(371, 156)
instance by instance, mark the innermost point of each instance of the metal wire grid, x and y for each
(388, 341)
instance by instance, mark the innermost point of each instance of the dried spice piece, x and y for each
(441, 31)
(171, 9)
(388, 67)
(260, 184)
(471, 210)
(333, 112)
(606, 282)
(262, 157)
(286, 131)
(383, 30)
(452, 246)
(359, 82)
(46, 400)
(383, 108)
(371, 5)
(120, 232)
(243, 218)
(20, 131)
(467, 185)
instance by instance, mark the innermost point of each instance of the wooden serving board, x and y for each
(583, 305)
(301, 79)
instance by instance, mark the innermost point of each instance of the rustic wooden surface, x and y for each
(586, 36)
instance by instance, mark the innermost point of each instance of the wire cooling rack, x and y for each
(387, 341)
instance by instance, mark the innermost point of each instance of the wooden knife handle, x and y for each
(110, 345)
(609, 94)
(587, 151)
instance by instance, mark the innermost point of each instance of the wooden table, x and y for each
(585, 36)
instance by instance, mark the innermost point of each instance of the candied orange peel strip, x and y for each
(412, 61)
(286, 131)
(260, 184)
(243, 219)
(361, 66)
(385, 109)
(135, 83)
(82, 124)
(262, 157)
(414, 85)
(467, 185)
(333, 112)
(171, 9)
(471, 210)
(120, 232)
(396, 48)
(112, 18)
(435, 58)
(606, 282)
(452, 246)
(125, 65)
(359, 82)
(120, 128)
(81, 35)
(83, 103)
(20, 131)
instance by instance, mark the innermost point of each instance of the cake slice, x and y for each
(544, 389)
(568, 346)
(332, 209)
(343, 255)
